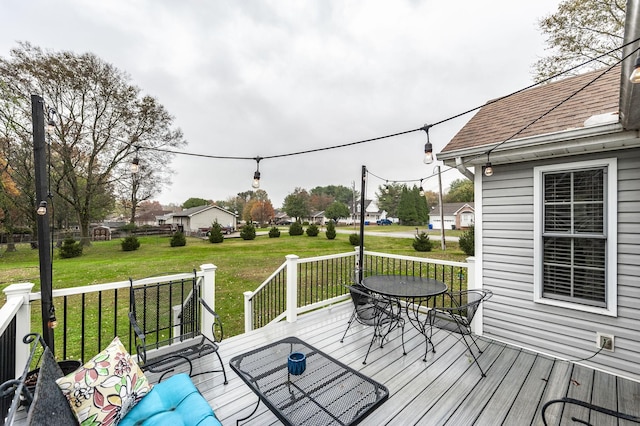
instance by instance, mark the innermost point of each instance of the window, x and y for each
(575, 235)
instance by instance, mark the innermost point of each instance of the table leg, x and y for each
(249, 416)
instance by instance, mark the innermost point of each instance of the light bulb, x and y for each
(42, 208)
(256, 180)
(488, 170)
(428, 157)
(635, 75)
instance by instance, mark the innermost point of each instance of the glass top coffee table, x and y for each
(327, 392)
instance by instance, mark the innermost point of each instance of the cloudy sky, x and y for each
(272, 77)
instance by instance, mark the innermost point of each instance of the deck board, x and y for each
(446, 389)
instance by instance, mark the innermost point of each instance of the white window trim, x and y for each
(611, 231)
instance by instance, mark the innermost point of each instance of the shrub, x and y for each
(354, 239)
(274, 232)
(422, 242)
(215, 233)
(130, 243)
(312, 230)
(467, 241)
(295, 229)
(248, 232)
(178, 240)
(70, 248)
(331, 230)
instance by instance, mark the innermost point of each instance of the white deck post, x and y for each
(473, 284)
(292, 287)
(208, 294)
(18, 295)
(248, 311)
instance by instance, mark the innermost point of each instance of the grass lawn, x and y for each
(242, 265)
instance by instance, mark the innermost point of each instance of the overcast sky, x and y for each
(263, 78)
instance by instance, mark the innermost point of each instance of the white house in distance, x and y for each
(191, 220)
(557, 223)
(455, 215)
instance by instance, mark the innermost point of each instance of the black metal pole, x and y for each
(362, 193)
(44, 249)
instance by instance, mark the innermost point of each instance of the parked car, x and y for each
(383, 222)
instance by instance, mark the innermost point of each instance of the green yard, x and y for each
(242, 265)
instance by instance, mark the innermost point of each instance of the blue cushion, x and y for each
(176, 402)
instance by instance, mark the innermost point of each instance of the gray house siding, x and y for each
(508, 269)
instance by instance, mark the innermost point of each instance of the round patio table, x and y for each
(416, 292)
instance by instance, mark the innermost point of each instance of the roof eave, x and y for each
(569, 142)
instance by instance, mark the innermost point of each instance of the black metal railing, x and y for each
(323, 279)
(453, 274)
(8, 341)
(271, 301)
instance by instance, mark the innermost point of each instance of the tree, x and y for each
(296, 204)
(9, 214)
(337, 210)
(262, 211)
(335, 192)
(331, 230)
(412, 208)
(319, 202)
(388, 197)
(215, 233)
(581, 30)
(101, 122)
(460, 191)
(195, 202)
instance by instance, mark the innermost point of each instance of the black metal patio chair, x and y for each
(456, 314)
(166, 318)
(373, 310)
(627, 418)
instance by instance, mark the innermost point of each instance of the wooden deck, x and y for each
(446, 389)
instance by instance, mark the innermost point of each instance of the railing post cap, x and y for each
(292, 256)
(18, 289)
(208, 266)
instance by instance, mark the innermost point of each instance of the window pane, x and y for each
(557, 250)
(557, 281)
(557, 218)
(588, 185)
(589, 284)
(589, 218)
(557, 187)
(589, 252)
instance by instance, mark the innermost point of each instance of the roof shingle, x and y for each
(501, 119)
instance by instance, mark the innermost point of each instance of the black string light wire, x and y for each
(424, 128)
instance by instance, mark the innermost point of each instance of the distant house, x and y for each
(371, 214)
(455, 215)
(192, 220)
(557, 223)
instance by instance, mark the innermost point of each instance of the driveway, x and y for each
(434, 234)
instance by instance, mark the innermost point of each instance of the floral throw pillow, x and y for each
(104, 389)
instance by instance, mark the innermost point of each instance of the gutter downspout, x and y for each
(462, 169)
(629, 92)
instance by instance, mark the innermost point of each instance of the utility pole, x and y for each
(362, 192)
(44, 212)
(442, 243)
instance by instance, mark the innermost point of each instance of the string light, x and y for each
(42, 208)
(428, 148)
(429, 157)
(421, 189)
(635, 75)
(256, 175)
(135, 164)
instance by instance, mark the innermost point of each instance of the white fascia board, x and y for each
(566, 143)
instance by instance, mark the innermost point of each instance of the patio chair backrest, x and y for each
(166, 312)
(466, 303)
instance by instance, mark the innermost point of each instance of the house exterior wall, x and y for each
(204, 219)
(506, 219)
